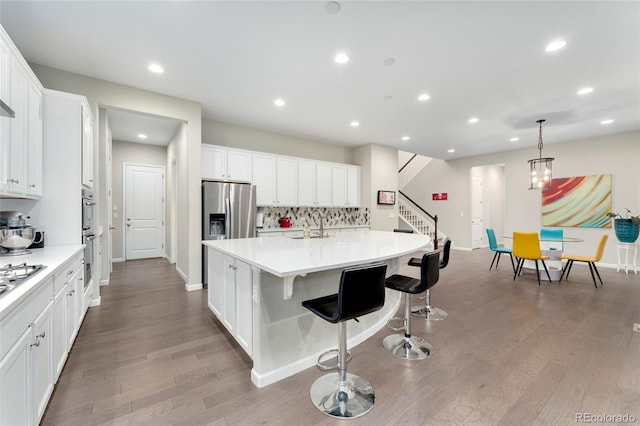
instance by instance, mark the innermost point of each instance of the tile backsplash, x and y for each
(300, 216)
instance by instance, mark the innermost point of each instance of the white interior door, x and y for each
(144, 211)
(476, 212)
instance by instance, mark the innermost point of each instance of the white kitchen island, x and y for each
(256, 286)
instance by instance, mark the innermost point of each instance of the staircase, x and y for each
(411, 213)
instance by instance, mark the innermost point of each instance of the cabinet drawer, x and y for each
(17, 323)
(65, 272)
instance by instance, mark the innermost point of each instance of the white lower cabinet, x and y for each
(59, 340)
(230, 296)
(14, 381)
(244, 305)
(41, 352)
(25, 360)
(36, 338)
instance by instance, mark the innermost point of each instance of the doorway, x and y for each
(487, 202)
(143, 211)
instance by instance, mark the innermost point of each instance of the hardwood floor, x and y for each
(510, 353)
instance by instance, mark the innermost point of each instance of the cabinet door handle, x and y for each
(32, 186)
(43, 334)
(37, 343)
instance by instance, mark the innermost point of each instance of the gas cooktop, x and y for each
(13, 275)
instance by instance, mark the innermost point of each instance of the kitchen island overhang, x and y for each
(256, 286)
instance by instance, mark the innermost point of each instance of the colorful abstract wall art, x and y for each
(580, 201)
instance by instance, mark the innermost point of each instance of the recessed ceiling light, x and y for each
(605, 122)
(279, 102)
(514, 139)
(555, 45)
(406, 138)
(156, 68)
(332, 7)
(451, 150)
(341, 58)
(423, 97)
(354, 124)
(142, 136)
(585, 90)
(473, 120)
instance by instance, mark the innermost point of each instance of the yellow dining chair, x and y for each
(526, 246)
(591, 261)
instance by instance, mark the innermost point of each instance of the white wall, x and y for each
(133, 153)
(111, 95)
(379, 172)
(235, 136)
(617, 154)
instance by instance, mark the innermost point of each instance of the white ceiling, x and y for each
(126, 126)
(482, 59)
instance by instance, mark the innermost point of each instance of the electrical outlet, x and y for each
(636, 327)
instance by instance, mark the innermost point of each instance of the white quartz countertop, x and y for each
(283, 257)
(51, 257)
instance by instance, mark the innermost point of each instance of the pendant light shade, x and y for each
(540, 169)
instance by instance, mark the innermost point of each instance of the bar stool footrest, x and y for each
(324, 367)
(390, 327)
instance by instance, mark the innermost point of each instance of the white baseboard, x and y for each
(95, 302)
(192, 287)
(117, 260)
(104, 282)
(182, 274)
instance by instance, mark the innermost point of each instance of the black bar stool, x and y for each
(427, 311)
(404, 345)
(342, 394)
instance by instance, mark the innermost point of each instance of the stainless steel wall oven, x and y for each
(88, 233)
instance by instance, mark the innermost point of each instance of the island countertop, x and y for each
(284, 257)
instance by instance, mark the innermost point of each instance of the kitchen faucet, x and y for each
(322, 216)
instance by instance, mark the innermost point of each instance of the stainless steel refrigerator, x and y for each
(228, 211)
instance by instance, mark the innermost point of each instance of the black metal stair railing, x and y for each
(432, 217)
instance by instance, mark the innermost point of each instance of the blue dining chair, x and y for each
(493, 246)
(551, 239)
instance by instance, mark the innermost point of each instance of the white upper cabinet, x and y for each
(87, 146)
(284, 181)
(346, 186)
(214, 163)
(276, 180)
(226, 164)
(287, 182)
(239, 166)
(264, 178)
(353, 186)
(315, 183)
(307, 178)
(21, 136)
(34, 163)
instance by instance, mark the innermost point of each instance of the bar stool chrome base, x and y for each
(412, 348)
(429, 313)
(350, 399)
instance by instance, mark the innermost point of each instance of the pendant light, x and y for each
(540, 170)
